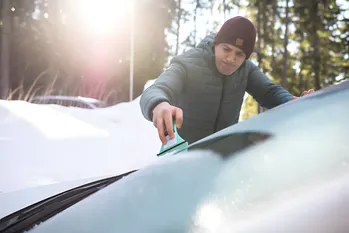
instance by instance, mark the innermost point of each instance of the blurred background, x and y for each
(109, 49)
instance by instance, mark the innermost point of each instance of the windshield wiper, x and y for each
(30, 216)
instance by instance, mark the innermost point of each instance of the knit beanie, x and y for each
(238, 31)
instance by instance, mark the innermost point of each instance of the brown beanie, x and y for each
(238, 31)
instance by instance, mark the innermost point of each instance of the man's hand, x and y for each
(304, 93)
(163, 115)
(307, 92)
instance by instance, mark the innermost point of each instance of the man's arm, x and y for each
(266, 93)
(166, 88)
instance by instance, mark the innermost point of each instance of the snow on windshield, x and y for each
(200, 191)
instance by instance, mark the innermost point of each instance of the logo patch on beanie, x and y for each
(239, 42)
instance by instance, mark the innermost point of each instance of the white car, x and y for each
(69, 101)
(285, 170)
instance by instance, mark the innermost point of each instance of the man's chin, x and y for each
(227, 72)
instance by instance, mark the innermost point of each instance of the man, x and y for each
(203, 88)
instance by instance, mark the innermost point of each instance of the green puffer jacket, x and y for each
(210, 100)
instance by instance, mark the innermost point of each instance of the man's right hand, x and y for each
(163, 115)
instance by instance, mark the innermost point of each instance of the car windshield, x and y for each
(24, 219)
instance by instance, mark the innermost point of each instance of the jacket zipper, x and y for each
(220, 104)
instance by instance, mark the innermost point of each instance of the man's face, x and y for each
(228, 58)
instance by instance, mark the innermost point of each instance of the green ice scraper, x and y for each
(174, 144)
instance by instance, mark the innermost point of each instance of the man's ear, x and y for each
(213, 48)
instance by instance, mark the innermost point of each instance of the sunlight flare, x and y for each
(103, 15)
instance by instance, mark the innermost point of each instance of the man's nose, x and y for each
(231, 58)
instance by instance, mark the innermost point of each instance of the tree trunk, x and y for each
(179, 16)
(266, 36)
(284, 74)
(259, 52)
(5, 49)
(274, 12)
(54, 14)
(303, 82)
(317, 61)
(224, 11)
(195, 22)
(316, 46)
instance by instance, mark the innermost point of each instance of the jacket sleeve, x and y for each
(166, 88)
(265, 92)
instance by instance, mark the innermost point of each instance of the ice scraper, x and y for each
(174, 144)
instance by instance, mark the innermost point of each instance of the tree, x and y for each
(321, 44)
(5, 45)
(53, 53)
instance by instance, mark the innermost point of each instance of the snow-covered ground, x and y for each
(47, 144)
